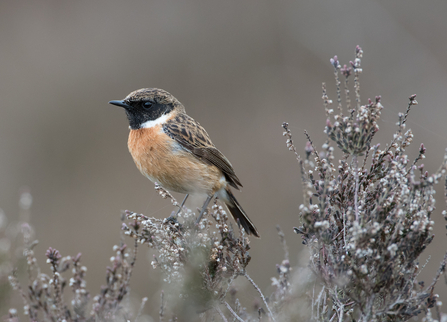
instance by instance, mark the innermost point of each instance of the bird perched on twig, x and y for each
(171, 148)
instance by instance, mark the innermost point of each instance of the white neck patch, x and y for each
(162, 119)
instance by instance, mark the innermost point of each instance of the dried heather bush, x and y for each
(365, 226)
(11, 244)
(200, 261)
(44, 297)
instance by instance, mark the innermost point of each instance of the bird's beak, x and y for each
(119, 103)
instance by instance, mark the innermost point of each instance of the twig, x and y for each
(162, 308)
(140, 311)
(313, 301)
(340, 318)
(438, 274)
(262, 295)
(237, 317)
(423, 266)
(337, 66)
(356, 192)
(319, 301)
(412, 102)
(230, 281)
(291, 147)
(283, 242)
(217, 308)
(317, 156)
(344, 231)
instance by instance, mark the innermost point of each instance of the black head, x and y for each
(148, 104)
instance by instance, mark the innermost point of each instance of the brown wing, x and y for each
(193, 137)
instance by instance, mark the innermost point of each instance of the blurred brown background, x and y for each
(241, 68)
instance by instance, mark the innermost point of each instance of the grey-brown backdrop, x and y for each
(241, 68)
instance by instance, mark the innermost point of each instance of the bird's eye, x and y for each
(147, 104)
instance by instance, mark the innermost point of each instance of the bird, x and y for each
(172, 149)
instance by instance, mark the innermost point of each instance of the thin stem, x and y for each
(140, 311)
(438, 274)
(357, 88)
(319, 301)
(366, 158)
(57, 292)
(229, 285)
(356, 192)
(348, 99)
(291, 147)
(338, 83)
(317, 156)
(262, 295)
(340, 317)
(282, 238)
(445, 195)
(237, 317)
(412, 102)
(333, 317)
(313, 302)
(344, 231)
(161, 313)
(217, 308)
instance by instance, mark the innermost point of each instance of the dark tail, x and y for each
(239, 215)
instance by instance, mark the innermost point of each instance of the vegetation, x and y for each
(365, 222)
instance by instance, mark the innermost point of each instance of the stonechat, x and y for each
(171, 148)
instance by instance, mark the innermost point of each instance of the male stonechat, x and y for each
(171, 148)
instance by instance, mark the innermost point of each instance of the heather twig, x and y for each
(140, 310)
(161, 312)
(282, 238)
(217, 308)
(260, 294)
(237, 317)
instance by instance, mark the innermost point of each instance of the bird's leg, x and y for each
(181, 205)
(173, 219)
(205, 205)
